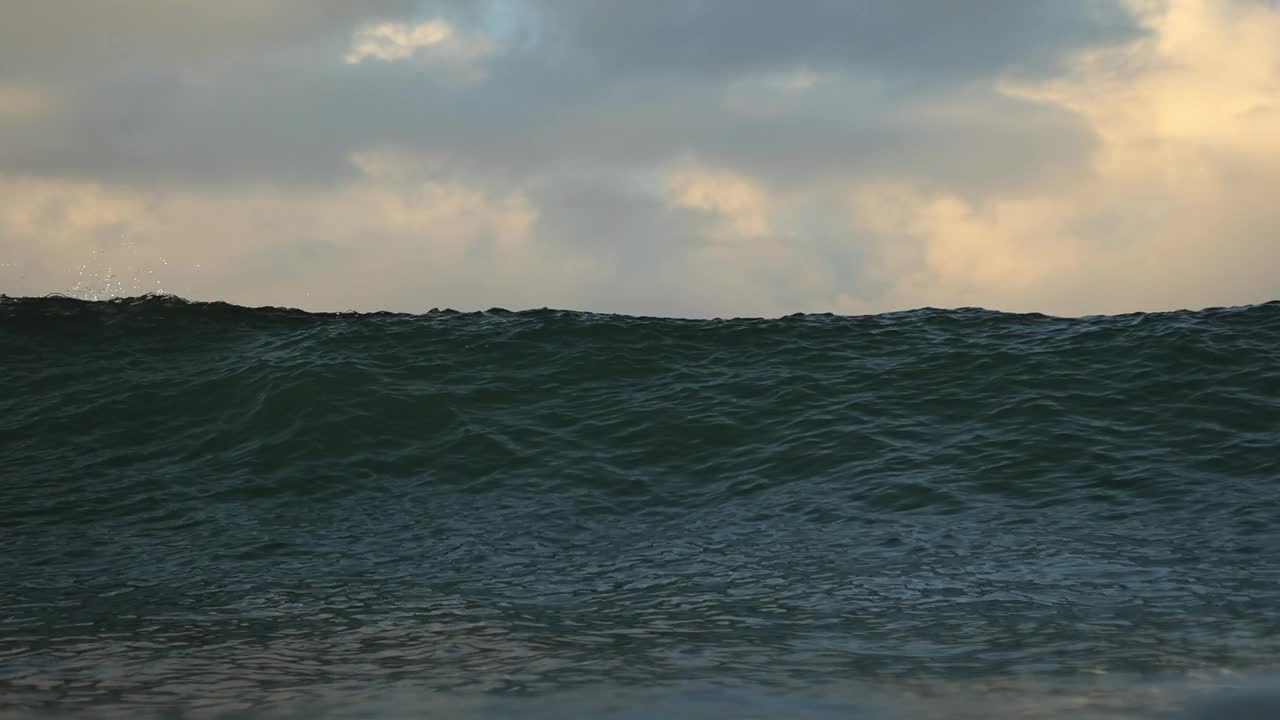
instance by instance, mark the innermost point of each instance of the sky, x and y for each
(691, 158)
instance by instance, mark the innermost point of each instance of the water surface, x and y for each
(211, 509)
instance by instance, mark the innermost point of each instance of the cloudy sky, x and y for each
(667, 157)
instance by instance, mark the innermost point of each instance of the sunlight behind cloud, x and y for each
(1174, 212)
(395, 41)
(431, 41)
(740, 203)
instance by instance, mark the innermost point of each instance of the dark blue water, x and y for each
(215, 511)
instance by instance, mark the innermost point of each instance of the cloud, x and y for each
(1172, 213)
(396, 41)
(797, 80)
(385, 239)
(740, 204)
(75, 40)
(24, 104)
(236, 91)
(929, 41)
(708, 157)
(435, 40)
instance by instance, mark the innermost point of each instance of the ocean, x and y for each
(212, 511)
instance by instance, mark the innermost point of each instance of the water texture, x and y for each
(215, 511)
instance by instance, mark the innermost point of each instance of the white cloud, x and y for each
(396, 41)
(432, 41)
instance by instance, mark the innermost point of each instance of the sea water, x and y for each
(215, 511)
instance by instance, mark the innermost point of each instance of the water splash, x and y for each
(115, 269)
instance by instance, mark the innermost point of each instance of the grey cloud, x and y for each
(277, 122)
(52, 39)
(225, 131)
(925, 38)
(587, 84)
(158, 128)
(638, 241)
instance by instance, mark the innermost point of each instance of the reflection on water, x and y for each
(377, 652)
(277, 685)
(713, 619)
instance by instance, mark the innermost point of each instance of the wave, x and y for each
(531, 502)
(928, 409)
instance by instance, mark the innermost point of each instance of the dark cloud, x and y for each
(925, 38)
(55, 39)
(277, 122)
(238, 90)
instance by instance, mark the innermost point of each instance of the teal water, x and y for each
(214, 511)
